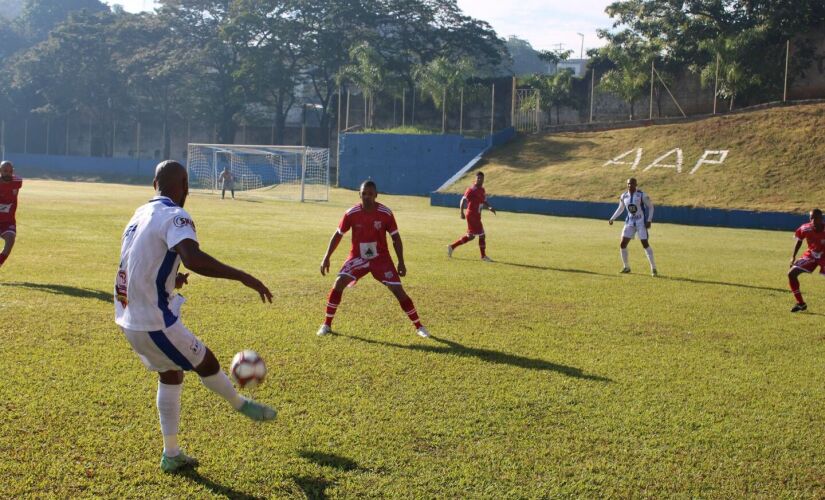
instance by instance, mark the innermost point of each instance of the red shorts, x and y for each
(474, 225)
(7, 227)
(381, 267)
(808, 263)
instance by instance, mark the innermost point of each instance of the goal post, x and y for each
(296, 173)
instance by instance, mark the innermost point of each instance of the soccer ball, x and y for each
(247, 369)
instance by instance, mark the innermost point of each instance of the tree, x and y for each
(554, 91)
(367, 71)
(629, 77)
(442, 78)
(39, 17)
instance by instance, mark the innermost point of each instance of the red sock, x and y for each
(333, 299)
(409, 308)
(464, 239)
(3, 258)
(794, 283)
(482, 245)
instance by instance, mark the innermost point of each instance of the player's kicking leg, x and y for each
(457, 243)
(8, 243)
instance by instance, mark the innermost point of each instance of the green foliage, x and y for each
(39, 17)
(630, 75)
(554, 91)
(543, 378)
(442, 76)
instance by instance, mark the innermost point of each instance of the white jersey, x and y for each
(639, 208)
(145, 297)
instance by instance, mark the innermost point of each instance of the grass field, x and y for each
(775, 162)
(548, 374)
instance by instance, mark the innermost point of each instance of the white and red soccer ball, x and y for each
(247, 369)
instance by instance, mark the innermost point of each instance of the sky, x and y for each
(543, 23)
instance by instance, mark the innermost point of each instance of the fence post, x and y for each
(404, 107)
(412, 120)
(513, 105)
(338, 142)
(48, 133)
(538, 111)
(492, 111)
(787, 58)
(592, 86)
(444, 111)
(651, 90)
(461, 114)
(716, 84)
(346, 124)
(67, 134)
(26, 137)
(137, 148)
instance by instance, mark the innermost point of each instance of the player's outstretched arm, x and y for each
(796, 248)
(461, 206)
(490, 207)
(333, 244)
(398, 245)
(204, 264)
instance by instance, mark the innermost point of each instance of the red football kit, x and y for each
(815, 254)
(8, 204)
(369, 251)
(476, 198)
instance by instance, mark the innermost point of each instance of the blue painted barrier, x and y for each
(130, 169)
(743, 219)
(408, 164)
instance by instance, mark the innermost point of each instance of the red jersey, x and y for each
(815, 240)
(8, 198)
(369, 230)
(476, 198)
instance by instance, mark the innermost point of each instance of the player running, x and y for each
(639, 218)
(160, 236)
(814, 234)
(10, 186)
(370, 222)
(476, 199)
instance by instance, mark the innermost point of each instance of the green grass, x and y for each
(775, 162)
(417, 130)
(548, 374)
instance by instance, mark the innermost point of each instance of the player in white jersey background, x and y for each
(161, 235)
(639, 218)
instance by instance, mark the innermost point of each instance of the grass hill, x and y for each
(776, 162)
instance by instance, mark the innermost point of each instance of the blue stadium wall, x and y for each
(409, 164)
(676, 215)
(72, 167)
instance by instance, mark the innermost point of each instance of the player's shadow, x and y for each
(217, 489)
(722, 283)
(83, 293)
(488, 355)
(544, 268)
(315, 487)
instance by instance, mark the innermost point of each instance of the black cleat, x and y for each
(799, 307)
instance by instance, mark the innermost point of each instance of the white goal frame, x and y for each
(298, 173)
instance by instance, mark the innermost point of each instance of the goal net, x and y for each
(286, 172)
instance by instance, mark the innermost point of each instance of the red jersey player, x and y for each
(370, 222)
(814, 234)
(9, 187)
(476, 199)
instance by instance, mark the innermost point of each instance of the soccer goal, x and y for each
(286, 172)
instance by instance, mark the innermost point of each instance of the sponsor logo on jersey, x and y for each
(632, 209)
(120, 288)
(377, 224)
(388, 274)
(184, 221)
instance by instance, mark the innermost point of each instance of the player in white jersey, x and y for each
(160, 236)
(639, 218)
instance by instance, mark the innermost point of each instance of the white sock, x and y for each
(221, 384)
(168, 402)
(624, 257)
(649, 252)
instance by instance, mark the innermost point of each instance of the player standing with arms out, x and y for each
(814, 234)
(227, 179)
(476, 199)
(9, 188)
(639, 218)
(157, 239)
(370, 222)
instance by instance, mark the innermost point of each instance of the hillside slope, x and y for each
(775, 162)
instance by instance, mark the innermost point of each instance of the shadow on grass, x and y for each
(329, 460)
(541, 268)
(723, 283)
(488, 355)
(217, 489)
(83, 293)
(315, 488)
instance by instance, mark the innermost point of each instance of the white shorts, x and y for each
(630, 230)
(173, 348)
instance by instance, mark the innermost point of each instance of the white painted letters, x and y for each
(723, 154)
(615, 161)
(709, 157)
(677, 166)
